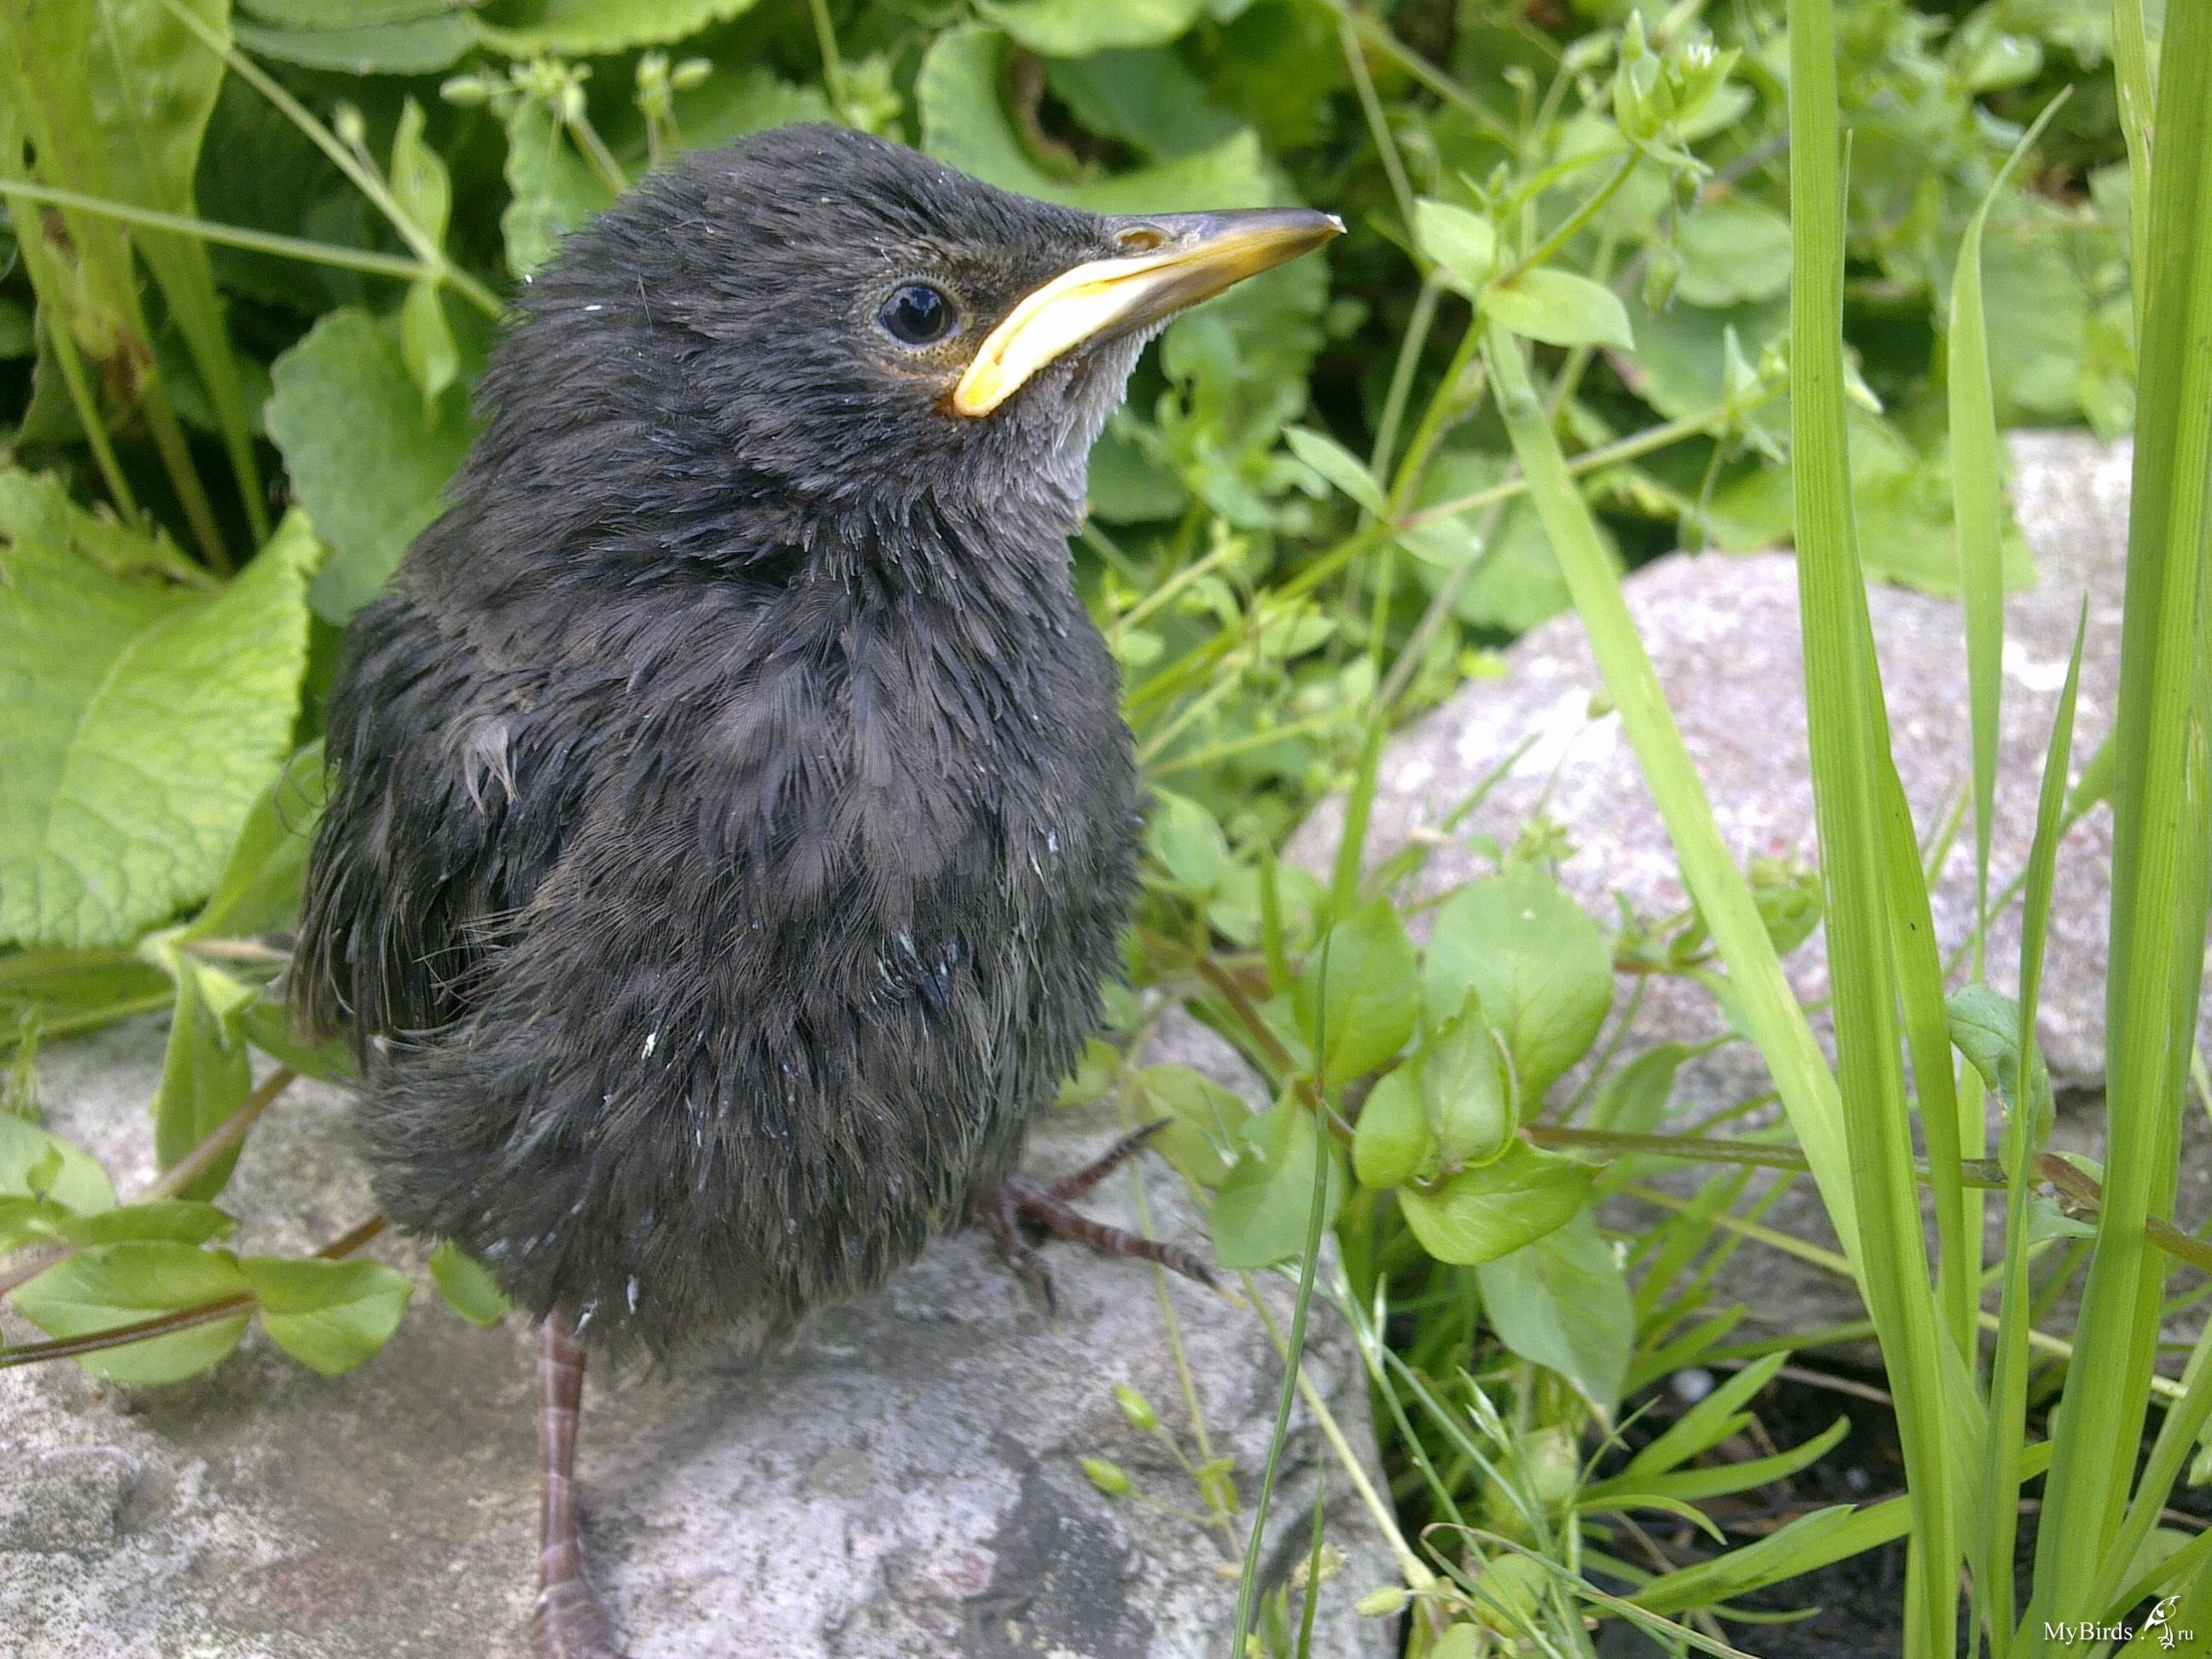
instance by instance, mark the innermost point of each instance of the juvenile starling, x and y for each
(732, 816)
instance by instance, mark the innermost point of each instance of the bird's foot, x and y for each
(571, 1622)
(1017, 1205)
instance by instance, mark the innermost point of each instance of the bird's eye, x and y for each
(916, 313)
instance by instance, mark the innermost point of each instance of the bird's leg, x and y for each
(570, 1622)
(1009, 1208)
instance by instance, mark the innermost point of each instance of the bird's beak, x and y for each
(1174, 261)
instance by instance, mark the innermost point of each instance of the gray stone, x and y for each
(1722, 632)
(903, 1481)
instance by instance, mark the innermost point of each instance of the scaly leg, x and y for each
(1013, 1207)
(570, 1622)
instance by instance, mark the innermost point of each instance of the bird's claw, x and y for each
(571, 1622)
(1010, 1210)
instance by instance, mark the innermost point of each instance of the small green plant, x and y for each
(1610, 289)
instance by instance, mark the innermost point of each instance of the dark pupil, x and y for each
(917, 315)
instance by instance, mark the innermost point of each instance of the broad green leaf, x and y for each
(259, 886)
(469, 1290)
(64, 1172)
(420, 46)
(550, 189)
(363, 461)
(592, 28)
(1495, 1208)
(734, 102)
(1734, 250)
(206, 1072)
(1462, 242)
(1562, 1302)
(1259, 1214)
(1203, 1120)
(343, 14)
(1540, 963)
(1359, 995)
(1076, 28)
(1149, 98)
(1633, 1098)
(1188, 843)
(329, 1315)
(1391, 1143)
(1339, 466)
(114, 1285)
(27, 1220)
(144, 721)
(268, 1026)
(185, 1221)
(964, 121)
(1559, 308)
(1467, 1087)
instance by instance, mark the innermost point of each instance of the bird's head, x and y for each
(860, 326)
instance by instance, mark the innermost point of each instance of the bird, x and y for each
(731, 820)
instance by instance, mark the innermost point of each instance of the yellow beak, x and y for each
(1177, 259)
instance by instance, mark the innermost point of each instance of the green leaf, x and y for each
(550, 189)
(964, 121)
(1734, 250)
(363, 460)
(1260, 1213)
(1634, 1097)
(1201, 1137)
(1339, 466)
(258, 888)
(592, 28)
(1391, 1143)
(1467, 1087)
(1359, 995)
(1462, 242)
(425, 196)
(423, 45)
(144, 721)
(1076, 28)
(1559, 308)
(1188, 843)
(1562, 1302)
(1540, 965)
(329, 1315)
(1985, 1029)
(206, 1072)
(1495, 1208)
(112, 1284)
(268, 1026)
(469, 1290)
(343, 14)
(184, 1221)
(34, 1163)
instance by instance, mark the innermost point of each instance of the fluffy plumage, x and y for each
(731, 817)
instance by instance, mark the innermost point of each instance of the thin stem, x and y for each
(1377, 35)
(1378, 124)
(179, 1176)
(833, 62)
(1544, 250)
(185, 1318)
(363, 179)
(1401, 374)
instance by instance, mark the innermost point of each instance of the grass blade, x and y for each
(1850, 764)
(2162, 864)
(2007, 1413)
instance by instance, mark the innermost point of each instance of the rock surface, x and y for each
(902, 1483)
(1722, 632)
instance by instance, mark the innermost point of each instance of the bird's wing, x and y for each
(443, 818)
